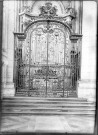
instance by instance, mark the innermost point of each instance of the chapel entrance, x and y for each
(46, 64)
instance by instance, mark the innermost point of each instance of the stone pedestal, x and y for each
(8, 90)
(87, 89)
(87, 83)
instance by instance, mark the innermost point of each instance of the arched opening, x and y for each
(45, 64)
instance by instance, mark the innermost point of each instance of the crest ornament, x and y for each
(48, 11)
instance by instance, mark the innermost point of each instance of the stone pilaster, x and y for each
(8, 46)
(87, 84)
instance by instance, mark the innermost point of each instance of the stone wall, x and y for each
(85, 25)
(87, 84)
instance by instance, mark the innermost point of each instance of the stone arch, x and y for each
(36, 5)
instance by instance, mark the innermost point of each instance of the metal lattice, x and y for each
(46, 64)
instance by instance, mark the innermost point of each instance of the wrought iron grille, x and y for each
(46, 64)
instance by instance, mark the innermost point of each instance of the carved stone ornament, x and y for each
(71, 12)
(48, 11)
(26, 9)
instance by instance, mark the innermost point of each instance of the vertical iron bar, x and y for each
(64, 65)
(80, 56)
(23, 68)
(47, 58)
(14, 70)
(16, 64)
(75, 78)
(77, 69)
(29, 65)
(71, 68)
(16, 81)
(20, 65)
(19, 68)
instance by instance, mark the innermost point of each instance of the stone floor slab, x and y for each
(52, 123)
(38, 123)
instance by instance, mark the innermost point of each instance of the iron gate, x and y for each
(46, 64)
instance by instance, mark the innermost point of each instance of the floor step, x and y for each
(44, 98)
(47, 106)
(49, 113)
(49, 109)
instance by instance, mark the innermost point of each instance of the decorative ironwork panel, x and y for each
(38, 61)
(46, 63)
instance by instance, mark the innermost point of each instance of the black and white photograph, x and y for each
(49, 57)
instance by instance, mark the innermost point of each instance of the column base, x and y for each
(8, 90)
(87, 89)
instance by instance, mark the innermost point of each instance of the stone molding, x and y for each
(8, 90)
(47, 12)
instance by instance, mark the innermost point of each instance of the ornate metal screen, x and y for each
(45, 62)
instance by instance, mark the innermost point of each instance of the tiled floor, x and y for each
(67, 123)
